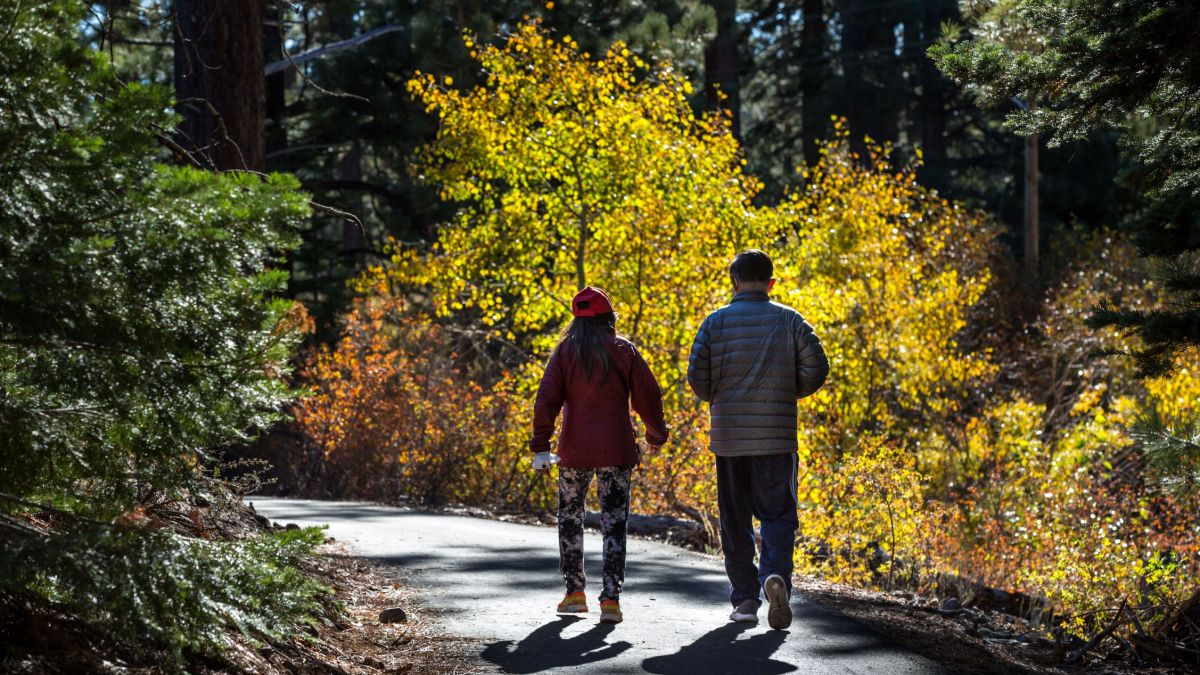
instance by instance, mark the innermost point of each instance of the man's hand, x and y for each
(543, 461)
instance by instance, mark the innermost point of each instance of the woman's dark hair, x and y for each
(588, 336)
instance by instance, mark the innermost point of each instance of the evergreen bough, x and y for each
(139, 332)
(1122, 64)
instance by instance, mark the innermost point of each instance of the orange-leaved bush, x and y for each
(394, 413)
(1049, 493)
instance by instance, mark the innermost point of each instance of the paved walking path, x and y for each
(498, 583)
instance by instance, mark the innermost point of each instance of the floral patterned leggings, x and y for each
(612, 484)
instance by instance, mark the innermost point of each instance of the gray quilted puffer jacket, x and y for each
(752, 360)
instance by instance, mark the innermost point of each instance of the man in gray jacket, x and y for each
(751, 361)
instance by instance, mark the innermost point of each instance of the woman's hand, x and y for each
(543, 461)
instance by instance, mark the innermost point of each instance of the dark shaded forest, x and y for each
(341, 120)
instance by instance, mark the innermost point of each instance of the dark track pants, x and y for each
(762, 487)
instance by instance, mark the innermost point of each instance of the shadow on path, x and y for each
(720, 651)
(678, 598)
(545, 648)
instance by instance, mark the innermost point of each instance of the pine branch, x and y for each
(1172, 448)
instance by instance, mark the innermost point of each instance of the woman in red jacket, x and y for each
(592, 377)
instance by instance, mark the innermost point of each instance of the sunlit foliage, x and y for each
(392, 412)
(137, 330)
(888, 271)
(925, 453)
(1051, 494)
(623, 180)
(572, 171)
(864, 517)
(1090, 65)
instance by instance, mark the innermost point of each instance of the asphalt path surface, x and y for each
(498, 583)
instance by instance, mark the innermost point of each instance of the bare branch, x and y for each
(282, 64)
(329, 210)
(1117, 620)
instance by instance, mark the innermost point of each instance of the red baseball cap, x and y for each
(590, 302)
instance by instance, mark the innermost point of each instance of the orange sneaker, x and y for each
(610, 611)
(573, 603)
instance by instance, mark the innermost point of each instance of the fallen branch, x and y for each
(1076, 655)
(710, 524)
(665, 527)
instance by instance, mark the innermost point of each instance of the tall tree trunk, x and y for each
(936, 92)
(276, 85)
(1032, 235)
(354, 239)
(721, 64)
(814, 73)
(219, 83)
(342, 22)
(275, 109)
(871, 68)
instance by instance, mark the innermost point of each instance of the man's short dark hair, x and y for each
(751, 265)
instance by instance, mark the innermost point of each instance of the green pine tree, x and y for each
(139, 332)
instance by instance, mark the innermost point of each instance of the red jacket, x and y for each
(596, 427)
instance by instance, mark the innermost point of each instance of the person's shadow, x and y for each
(720, 651)
(546, 648)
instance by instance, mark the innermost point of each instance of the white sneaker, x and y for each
(747, 612)
(779, 612)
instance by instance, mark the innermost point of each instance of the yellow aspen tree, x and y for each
(888, 271)
(571, 170)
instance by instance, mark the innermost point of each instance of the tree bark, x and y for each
(276, 84)
(935, 95)
(581, 255)
(814, 71)
(275, 111)
(871, 68)
(219, 83)
(354, 238)
(1032, 234)
(721, 64)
